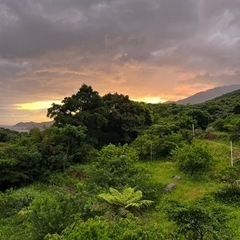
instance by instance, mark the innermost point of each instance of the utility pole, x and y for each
(231, 157)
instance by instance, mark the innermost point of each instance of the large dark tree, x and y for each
(84, 108)
(113, 118)
(125, 118)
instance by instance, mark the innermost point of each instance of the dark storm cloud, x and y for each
(31, 28)
(138, 27)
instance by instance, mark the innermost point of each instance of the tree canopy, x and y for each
(113, 118)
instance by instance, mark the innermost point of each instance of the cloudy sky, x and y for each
(151, 50)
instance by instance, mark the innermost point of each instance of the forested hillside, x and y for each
(113, 169)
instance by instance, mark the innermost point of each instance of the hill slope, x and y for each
(208, 95)
(30, 125)
(224, 105)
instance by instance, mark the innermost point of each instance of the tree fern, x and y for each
(127, 201)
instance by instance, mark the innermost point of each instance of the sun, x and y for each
(39, 105)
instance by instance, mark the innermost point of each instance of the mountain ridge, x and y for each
(32, 124)
(209, 94)
(26, 126)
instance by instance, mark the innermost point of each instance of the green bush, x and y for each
(100, 229)
(50, 213)
(200, 220)
(193, 159)
(114, 167)
(229, 195)
(12, 201)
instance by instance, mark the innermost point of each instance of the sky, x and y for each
(151, 50)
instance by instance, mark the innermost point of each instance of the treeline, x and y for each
(85, 122)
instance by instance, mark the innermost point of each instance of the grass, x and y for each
(190, 188)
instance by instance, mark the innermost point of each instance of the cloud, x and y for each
(153, 49)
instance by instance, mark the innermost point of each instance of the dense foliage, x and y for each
(200, 220)
(113, 118)
(193, 159)
(112, 168)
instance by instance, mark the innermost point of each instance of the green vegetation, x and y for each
(111, 168)
(124, 203)
(193, 159)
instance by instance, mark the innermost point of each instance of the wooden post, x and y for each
(231, 150)
(151, 153)
(193, 130)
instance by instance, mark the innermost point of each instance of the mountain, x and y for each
(26, 126)
(30, 125)
(208, 95)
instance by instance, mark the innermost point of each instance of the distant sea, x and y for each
(17, 129)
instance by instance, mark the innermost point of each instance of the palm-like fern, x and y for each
(129, 201)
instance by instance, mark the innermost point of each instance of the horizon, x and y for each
(42, 105)
(156, 50)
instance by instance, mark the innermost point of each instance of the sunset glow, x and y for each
(150, 100)
(36, 105)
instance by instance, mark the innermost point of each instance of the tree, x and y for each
(39, 153)
(18, 165)
(125, 118)
(7, 135)
(85, 108)
(191, 116)
(60, 146)
(154, 145)
(116, 167)
(69, 111)
(129, 201)
(193, 158)
(113, 118)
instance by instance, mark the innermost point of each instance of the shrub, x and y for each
(229, 195)
(100, 229)
(200, 220)
(114, 167)
(193, 159)
(50, 213)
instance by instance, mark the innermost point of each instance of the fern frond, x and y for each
(115, 192)
(128, 193)
(136, 196)
(119, 198)
(107, 197)
(146, 203)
